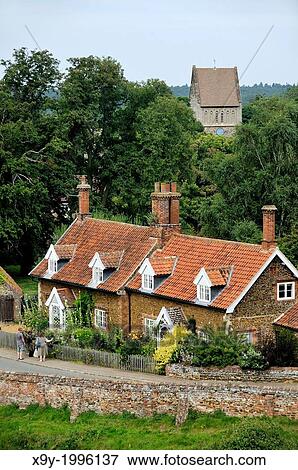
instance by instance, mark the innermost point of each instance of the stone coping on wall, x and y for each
(145, 399)
(233, 373)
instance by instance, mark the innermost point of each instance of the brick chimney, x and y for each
(269, 241)
(165, 207)
(84, 193)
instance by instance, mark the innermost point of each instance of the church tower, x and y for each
(215, 99)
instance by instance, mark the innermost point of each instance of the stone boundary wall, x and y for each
(145, 399)
(234, 373)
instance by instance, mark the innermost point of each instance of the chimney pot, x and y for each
(157, 187)
(173, 187)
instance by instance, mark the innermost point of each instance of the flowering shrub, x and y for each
(33, 317)
(216, 348)
(163, 356)
(252, 359)
(168, 347)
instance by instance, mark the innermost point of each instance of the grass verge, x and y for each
(47, 428)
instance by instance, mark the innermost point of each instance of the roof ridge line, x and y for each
(215, 239)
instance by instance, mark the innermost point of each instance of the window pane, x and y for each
(289, 290)
(281, 290)
(149, 325)
(100, 318)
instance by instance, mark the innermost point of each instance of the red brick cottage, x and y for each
(144, 277)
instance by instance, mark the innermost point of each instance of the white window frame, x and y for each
(247, 337)
(100, 318)
(61, 315)
(203, 336)
(97, 274)
(285, 285)
(149, 325)
(148, 282)
(55, 301)
(52, 265)
(204, 293)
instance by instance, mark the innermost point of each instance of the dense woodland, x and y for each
(125, 136)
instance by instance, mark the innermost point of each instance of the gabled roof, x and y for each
(163, 265)
(218, 276)
(111, 259)
(7, 279)
(216, 87)
(125, 244)
(65, 251)
(246, 262)
(289, 319)
(172, 316)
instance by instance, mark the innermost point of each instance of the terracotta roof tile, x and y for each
(111, 259)
(193, 253)
(102, 236)
(65, 251)
(218, 276)
(163, 265)
(289, 319)
(66, 295)
(217, 86)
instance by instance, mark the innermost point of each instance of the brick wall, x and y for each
(260, 307)
(147, 306)
(274, 374)
(107, 396)
(115, 305)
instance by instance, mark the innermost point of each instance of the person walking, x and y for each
(20, 344)
(41, 344)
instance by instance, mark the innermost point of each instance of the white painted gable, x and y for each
(54, 298)
(202, 279)
(146, 268)
(51, 253)
(96, 262)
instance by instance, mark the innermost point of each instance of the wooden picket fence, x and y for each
(8, 340)
(135, 363)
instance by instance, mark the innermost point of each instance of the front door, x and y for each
(6, 309)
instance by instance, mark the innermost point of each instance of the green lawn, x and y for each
(28, 284)
(48, 428)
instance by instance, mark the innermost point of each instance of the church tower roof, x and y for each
(216, 87)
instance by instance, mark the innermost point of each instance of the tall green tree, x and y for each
(32, 182)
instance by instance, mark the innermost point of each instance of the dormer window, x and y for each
(53, 259)
(210, 281)
(155, 271)
(97, 270)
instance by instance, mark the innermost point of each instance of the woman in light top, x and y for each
(41, 345)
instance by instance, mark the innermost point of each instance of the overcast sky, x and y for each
(161, 38)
